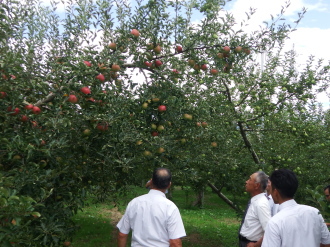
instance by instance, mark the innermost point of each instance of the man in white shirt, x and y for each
(273, 206)
(154, 220)
(258, 212)
(294, 225)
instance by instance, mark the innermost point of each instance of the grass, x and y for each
(215, 225)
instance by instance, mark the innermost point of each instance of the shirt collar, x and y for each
(286, 204)
(256, 197)
(156, 192)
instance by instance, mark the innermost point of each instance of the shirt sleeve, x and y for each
(124, 223)
(175, 225)
(264, 214)
(272, 236)
(325, 234)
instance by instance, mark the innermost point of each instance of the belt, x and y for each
(244, 239)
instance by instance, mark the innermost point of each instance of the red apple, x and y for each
(238, 49)
(28, 107)
(161, 108)
(214, 144)
(36, 110)
(24, 118)
(154, 133)
(88, 64)
(247, 51)
(66, 243)
(113, 46)
(148, 64)
(115, 67)
(102, 126)
(12, 111)
(204, 124)
(100, 77)
(2, 95)
(73, 98)
(85, 90)
(198, 124)
(13, 77)
(135, 32)
(157, 49)
(197, 67)
(175, 71)
(179, 49)
(226, 49)
(204, 66)
(91, 99)
(158, 63)
(220, 55)
(214, 71)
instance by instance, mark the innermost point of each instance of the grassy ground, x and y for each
(215, 225)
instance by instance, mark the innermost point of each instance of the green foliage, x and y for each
(102, 142)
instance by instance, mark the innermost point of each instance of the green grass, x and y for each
(215, 225)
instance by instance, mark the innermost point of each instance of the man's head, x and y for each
(327, 193)
(284, 185)
(257, 183)
(161, 178)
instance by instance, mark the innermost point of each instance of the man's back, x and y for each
(153, 219)
(296, 226)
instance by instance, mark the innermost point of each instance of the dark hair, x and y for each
(327, 188)
(262, 178)
(161, 178)
(285, 182)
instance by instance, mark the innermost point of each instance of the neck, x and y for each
(254, 193)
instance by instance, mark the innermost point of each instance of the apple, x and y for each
(191, 62)
(115, 67)
(197, 67)
(155, 100)
(113, 46)
(157, 49)
(73, 98)
(175, 71)
(214, 71)
(238, 49)
(204, 66)
(247, 51)
(220, 55)
(36, 110)
(153, 126)
(160, 150)
(85, 90)
(179, 49)
(214, 144)
(24, 118)
(135, 32)
(150, 46)
(160, 128)
(113, 74)
(86, 132)
(187, 116)
(100, 77)
(161, 108)
(13, 77)
(148, 64)
(88, 64)
(154, 133)
(204, 124)
(17, 157)
(3, 95)
(34, 124)
(66, 243)
(12, 111)
(145, 105)
(91, 99)
(183, 140)
(139, 142)
(42, 143)
(147, 153)
(158, 63)
(28, 107)
(198, 124)
(102, 126)
(226, 49)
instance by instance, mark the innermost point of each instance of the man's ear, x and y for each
(169, 185)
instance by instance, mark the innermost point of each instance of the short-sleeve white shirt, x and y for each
(256, 218)
(154, 220)
(296, 225)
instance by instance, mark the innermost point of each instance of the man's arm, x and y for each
(122, 239)
(175, 242)
(257, 244)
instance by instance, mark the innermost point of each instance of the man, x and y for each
(294, 225)
(273, 206)
(154, 220)
(327, 193)
(257, 214)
